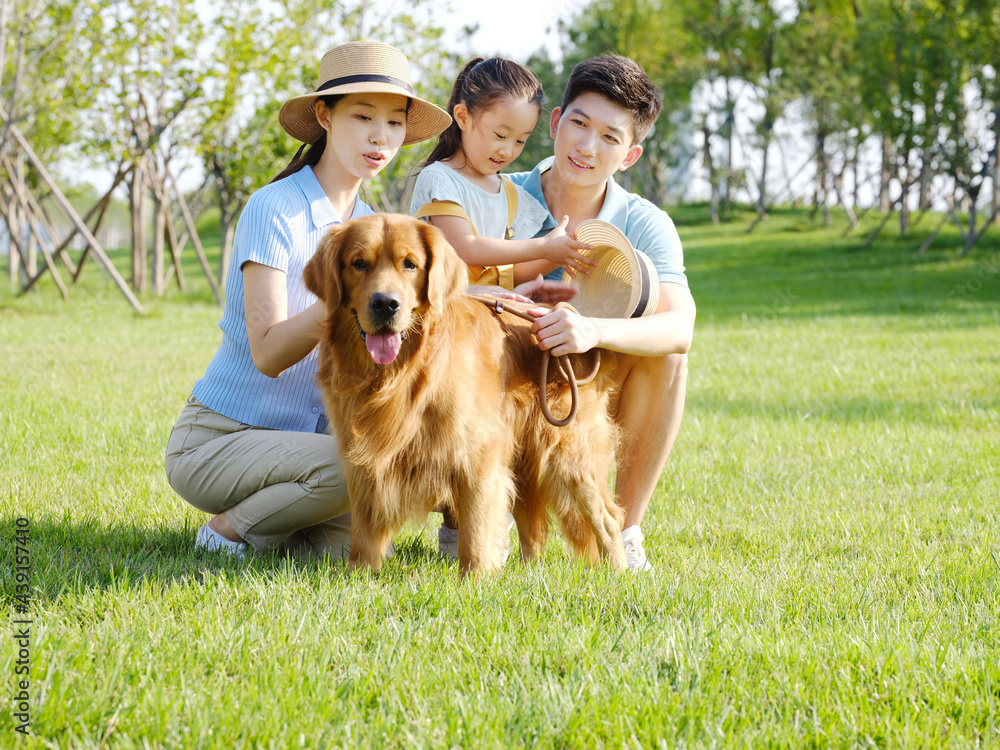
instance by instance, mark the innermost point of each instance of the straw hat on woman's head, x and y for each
(362, 68)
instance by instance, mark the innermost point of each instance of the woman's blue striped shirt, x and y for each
(280, 227)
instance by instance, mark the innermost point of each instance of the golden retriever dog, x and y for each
(435, 401)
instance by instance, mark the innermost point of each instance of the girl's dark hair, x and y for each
(313, 151)
(480, 86)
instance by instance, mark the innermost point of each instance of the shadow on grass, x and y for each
(72, 556)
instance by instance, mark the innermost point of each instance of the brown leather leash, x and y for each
(499, 307)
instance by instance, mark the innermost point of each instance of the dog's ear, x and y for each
(322, 272)
(446, 273)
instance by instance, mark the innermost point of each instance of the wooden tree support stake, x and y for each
(33, 221)
(73, 216)
(195, 239)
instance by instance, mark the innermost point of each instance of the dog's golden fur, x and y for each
(451, 417)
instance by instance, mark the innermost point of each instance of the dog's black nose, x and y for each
(384, 306)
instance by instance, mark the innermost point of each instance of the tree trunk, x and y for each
(926, 177)
(878, 230)
(24, 234)
(13, 265)
(904, 211)
(14, 248)
(228, 234)
(933, 235)
(768, 121)
(40, 233)
(226, 223)
(972, 227)
(996, 161)
(825, 164)
(45, 221)
(136, 195)
(971, 240)
(193, 233)
(23, 220)
(100, 207)
(883, 190)
(854, 172)
(713, 199)
(176, 266)
(821, 199)
(838, 192)
(762, 197)
(730, 118)
(906, 184)
(160, 219)
(227, 229)
(13, 258)
(17, 247)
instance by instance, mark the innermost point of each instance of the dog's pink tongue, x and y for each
(383, 346)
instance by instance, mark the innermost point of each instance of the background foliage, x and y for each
(912, 83)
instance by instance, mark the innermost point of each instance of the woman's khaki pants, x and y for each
(279, 489)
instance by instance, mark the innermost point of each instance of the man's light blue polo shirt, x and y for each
(647, 227)
(280, 227)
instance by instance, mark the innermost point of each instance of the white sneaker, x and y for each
(211, 540)
(448, 541)
(635, 555)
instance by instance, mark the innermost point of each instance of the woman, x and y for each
(252, 445)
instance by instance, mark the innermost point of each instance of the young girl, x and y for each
(491, 223)
(494, 104)
(251, 446)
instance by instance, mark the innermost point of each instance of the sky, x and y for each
(514, 28)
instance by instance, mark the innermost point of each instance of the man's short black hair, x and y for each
(622, 81)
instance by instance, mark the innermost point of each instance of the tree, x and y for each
(240, 146)
(148, 75)
(962, 108)
(653, 34)
(38, 110)
(825, 76)
(264, 55)
(39, 92)
(926, 64)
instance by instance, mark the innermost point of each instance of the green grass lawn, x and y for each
(825, 539)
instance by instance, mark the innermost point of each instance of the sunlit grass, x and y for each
(825, 538)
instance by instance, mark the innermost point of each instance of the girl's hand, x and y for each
(546, 291)
(563, 249)
(499, 292)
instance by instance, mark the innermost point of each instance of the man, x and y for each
(608, 108)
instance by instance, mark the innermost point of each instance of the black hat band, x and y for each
(366, 78)
(644, 289)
